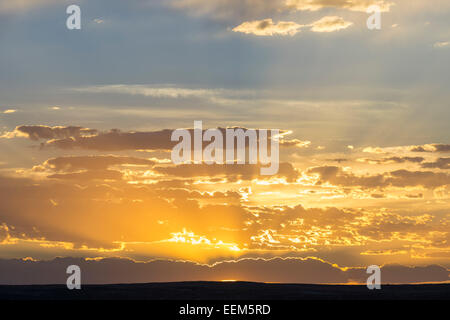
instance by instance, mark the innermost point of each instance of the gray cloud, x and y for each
(398, 178)
(74, 163)
(441, 163)
(231, 172)
(287, 270)
(84, 176)
(436, 147)
(75, 137)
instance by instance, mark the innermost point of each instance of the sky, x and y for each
(86, 117)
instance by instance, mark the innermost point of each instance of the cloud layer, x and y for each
(283, 28)
(288, 270)
(268, 28)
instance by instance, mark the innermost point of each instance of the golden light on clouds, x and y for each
(268, 28)
(330, 24)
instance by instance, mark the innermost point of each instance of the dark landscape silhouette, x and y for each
(225, 291)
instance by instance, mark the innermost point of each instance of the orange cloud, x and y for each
(330, 24)
(268, 28)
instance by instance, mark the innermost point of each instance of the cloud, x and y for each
(74, 137)
(211, 95)
(75, 163)
(294, 143)
(8, 6)
(442, 44)
(101, 175)
(268, 28)
(38, 132)
(436, 147)
(337, 176)
(427, 179)
(127, 212)
(231, 172)
(395, 274)
(403, 159)
(431, 147)
(330, 24)
(377, 150)
(285, 227)
(9, 111)
(229, 9)
(156, 92)
(399, 178)
(441, 163)
(353, 5)
(414, 196)
(138, 219)
(395, 159)
(86, 168)
(189, 194)
(280, 270)
(254, 9)
(90, 139)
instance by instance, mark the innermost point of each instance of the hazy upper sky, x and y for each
(84, 119)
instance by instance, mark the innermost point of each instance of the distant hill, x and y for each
(225, 291)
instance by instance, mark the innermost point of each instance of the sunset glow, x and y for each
(86, 118)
